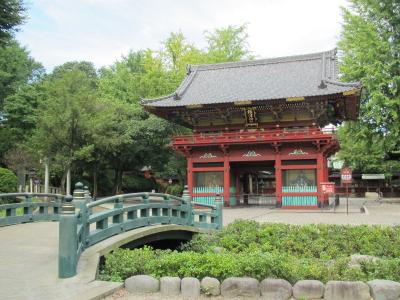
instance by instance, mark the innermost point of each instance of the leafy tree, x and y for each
(370, 44)
(16, 69)
(66, 114)
(143, 137)
(8, 181)
(19, 95)
(228, 44)
(12, 14)
(91, 122)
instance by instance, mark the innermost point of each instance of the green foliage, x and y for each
(228, 44)
(16, 69)
(138, 183)
(8, 181)
(174, 189)
(123, 263)
(12, 14)
(18, 95)
(370, 44)
(290, 252)
(91, 121)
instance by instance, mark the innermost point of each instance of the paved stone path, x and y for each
(29, 252)
(377, 213)
(29, 266)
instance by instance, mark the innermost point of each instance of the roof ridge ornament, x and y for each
(188, 69)
(322, 85)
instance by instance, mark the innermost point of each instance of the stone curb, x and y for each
(279, 289)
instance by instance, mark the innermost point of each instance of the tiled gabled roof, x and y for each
(266, 79)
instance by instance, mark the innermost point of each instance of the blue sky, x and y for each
(101, 31)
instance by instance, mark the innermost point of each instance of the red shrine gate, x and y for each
(296, 161)
(256, 125)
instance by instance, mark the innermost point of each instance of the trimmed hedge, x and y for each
(246, 248)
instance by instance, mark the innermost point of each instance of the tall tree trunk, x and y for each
(115, 189)
(21, 178)
(63, 178)
(117, 181)
(68, 188)
(46, 175)
(94, 183)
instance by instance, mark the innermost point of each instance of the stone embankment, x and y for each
(276, 289)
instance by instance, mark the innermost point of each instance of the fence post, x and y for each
(186, 197)
(80, 201)
(68, 240)
(218, 206)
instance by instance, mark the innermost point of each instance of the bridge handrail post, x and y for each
(188, 203)
(80, 201)
(218, 210)
(88, 196)
(68, 240)
(28, 210)
(57, 205)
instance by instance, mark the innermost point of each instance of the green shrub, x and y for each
(8, 181)
(122, 264)
(174, 189)
(307, 241)
(290, 252)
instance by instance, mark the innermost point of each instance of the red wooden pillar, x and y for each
(278, 180)
(226, 180)
(190, 174)
(320, 176)
(326, 170)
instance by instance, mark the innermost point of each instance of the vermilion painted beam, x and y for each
(208, 169)
(298, 157)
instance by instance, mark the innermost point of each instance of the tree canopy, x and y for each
(12, 14)
(370, 46)
(91, 122)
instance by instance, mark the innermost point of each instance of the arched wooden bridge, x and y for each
(38, 254)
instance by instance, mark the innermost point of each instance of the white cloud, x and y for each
(101, 30)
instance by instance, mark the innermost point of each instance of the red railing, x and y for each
(254, 136)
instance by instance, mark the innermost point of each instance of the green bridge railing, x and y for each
(31, 208)
(84, 222)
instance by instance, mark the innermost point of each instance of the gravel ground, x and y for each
(377, 213)
(123, 294)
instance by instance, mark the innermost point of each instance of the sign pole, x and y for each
(347, 196)
(346, 177)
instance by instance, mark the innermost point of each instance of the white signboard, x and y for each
(373, 176)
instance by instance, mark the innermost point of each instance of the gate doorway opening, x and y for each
(254, 183)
